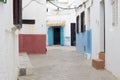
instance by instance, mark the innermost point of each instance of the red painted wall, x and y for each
(32, 43)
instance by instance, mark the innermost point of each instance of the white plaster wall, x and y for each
(94, 24)
(8, 43)
(112, 42)
(112, 60)
(37, 12)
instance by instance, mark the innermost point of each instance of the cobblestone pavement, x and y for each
(64, 63)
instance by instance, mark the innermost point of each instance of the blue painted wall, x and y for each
(51, 35)
(84, 42)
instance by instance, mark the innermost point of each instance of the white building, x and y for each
(34, 10)
(103, 19)
(60, 15)
(8, 42)
(34, 26)
(112, 19)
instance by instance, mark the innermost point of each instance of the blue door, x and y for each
(50, 36)
(62, 36)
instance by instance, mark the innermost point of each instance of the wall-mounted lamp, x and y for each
(4, 1)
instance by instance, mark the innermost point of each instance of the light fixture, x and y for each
(4, 1)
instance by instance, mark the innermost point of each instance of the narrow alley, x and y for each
(60, 40)
(64, 63)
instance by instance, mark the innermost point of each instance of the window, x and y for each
(114, 13)
(77, 24)
(88, 18)
(26, 21)
(17, 13)
(83, 22)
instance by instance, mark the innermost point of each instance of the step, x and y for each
(25, 66)
(33, 77)
(102, 55)
(98, 63)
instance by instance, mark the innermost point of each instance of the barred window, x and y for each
(114, 13)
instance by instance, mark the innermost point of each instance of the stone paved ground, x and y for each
(64, 63)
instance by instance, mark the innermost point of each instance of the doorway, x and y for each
(57, 37)
(73, 35)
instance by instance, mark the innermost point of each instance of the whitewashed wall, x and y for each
(112, 37)
(64, 15)
(36, 11)
(95, 26)
(112, 41)
(94, 23)
(8, 43)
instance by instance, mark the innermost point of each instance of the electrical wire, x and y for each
(60, 6)
(31, 2)
(27, 5)
(38, 2)
(69, 5)
(55, 5)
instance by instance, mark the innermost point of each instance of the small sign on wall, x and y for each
(4, 1)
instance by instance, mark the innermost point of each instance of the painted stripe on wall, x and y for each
(32, 43)
(83, 42)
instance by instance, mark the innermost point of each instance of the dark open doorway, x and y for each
(73, 35)
(56, 35)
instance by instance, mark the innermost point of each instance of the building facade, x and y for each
(112, 24)
(9, 42)
(102, 19)
(83, 28)
(60, 21)
(33, 32)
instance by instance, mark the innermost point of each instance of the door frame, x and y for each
(51, 35)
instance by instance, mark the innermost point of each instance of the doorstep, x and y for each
(25, 66)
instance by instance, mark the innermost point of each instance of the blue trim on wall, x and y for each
(84, 42)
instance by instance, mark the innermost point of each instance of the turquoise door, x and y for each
(50, 36)
(62, 36)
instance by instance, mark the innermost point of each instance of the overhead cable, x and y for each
(27, 4)
(31, 2)
(60, 6)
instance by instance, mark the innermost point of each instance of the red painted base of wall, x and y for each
(32, 43)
